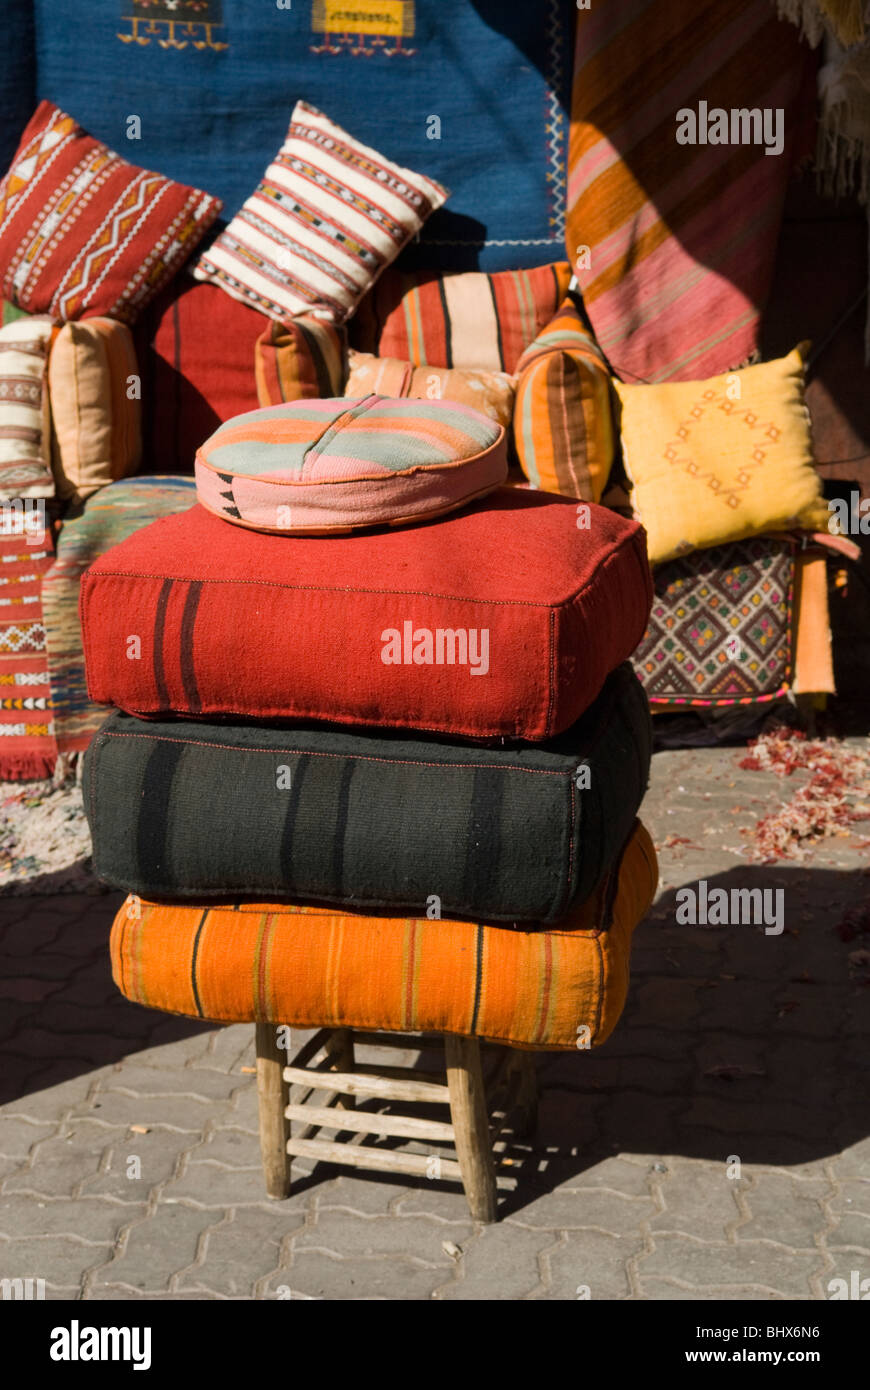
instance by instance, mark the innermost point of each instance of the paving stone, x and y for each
(854, 1161)
(49, 1103)
(850, 1207)
(760, 1265)
(62, 1164)
(17, 1136)
(240, 1252)
(92, 1220)
(595, 1260)
(784, 1210)
(315, 1274)
(227, 1048)
(627, 1177)
(158, 1247)
(658, 1290)
(409, 1237)
(375, 1195)
(199, 1082)
(581, 1209)
(501, 1263)
(122, 1292)
(237, 1148)
(59, 1260)
(215, 1185)
(699, 1201)
(117, 1110)
(849, 1266)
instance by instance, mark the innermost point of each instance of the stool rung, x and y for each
(356, 1156)
(363, 1084)
(370, 1122)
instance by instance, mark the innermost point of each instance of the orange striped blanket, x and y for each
(673, 243)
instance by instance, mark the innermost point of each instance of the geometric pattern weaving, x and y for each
(720, 632)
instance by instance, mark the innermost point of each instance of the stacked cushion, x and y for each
(334, 465)
(533, 609)
(313, 966)
(517, 834)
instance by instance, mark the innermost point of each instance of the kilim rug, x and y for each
(106, 518)
(27, 735)
(720, 632)
(674, 243)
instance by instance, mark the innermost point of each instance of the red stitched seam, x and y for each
(310, 753)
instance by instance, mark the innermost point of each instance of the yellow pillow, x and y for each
(714, 461)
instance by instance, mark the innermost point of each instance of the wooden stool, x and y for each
(326, 1065)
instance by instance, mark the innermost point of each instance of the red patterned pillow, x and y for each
(82, 231)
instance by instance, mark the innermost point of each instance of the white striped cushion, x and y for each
(25, 435)
(327, 217)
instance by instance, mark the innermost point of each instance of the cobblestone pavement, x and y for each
(716, 1146)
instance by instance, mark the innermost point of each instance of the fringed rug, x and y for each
(27, 742)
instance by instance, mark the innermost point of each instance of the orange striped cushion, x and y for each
(461, 320)
(563, 415)
(302, 360)
(315, 966)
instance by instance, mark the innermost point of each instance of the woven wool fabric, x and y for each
(492, 393)
(27, 736)
(563, 419)
(720, 631)
(328, 215)
(674, 243)
(717, 460)
(369, 821)
(96, 411)
(82, 231)
(25, 417)
(334, 465)
(384, 628)
(464, 320)
(214, 82)
(313, 967)
(107, 517)
(188, 386)
(302, 360)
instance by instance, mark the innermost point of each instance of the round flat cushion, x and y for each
(341, 464)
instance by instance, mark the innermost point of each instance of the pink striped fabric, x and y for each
(673, 243)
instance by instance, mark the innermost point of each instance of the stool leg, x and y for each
(523, 1064)
(471, 1125)
(273, 1094)
(339, 1049)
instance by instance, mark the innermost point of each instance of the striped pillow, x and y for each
(461, 320)
(563, 420)
(326, 218)
(25, 433)
(302, 360)
(336, 465)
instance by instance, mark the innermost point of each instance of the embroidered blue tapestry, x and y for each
(473, 93)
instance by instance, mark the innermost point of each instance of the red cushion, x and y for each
(86, 232)
(196, 351)
(267, 626)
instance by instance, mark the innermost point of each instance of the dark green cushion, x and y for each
(194, 810)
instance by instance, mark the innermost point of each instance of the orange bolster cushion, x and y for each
(319, 967)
